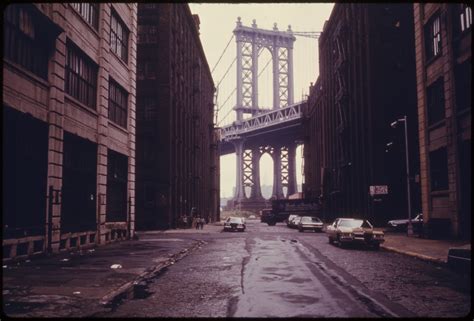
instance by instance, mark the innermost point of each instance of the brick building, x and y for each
(367, 81)
(443, 37)
(177, 162)
(68, 125)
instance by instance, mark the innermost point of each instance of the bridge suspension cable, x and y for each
(227, 71)
(308, 34)
(227, 99)
(265, 67)
(218, 60)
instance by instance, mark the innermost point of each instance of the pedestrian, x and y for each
(201, 222)
(197, 222)
(184, 221)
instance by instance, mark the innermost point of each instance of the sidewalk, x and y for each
(425, 249)
(87, 282)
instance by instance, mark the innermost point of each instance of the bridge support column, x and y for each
(239, 177)
(290, 74)
(256, 190)
(239, 79)
(276, 81)
(254, 78)
(277, 185)
(292, 184)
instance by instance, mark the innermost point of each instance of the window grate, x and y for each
(89, 11)
(118, 37)
(117, 104)
(23, 43)
(81, 76)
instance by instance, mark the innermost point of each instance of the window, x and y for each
(149, 195)
(463, 80)
(439, 169)
(117, 104)
(89, 11)
(23, 43)
(465, 16)
(433, 37)
(81, 76)
(140, 70)
(117, 170)
(149, 147)
(435, 101)
(147, 34)
(150, 70)
(118, 37)
(150, 108)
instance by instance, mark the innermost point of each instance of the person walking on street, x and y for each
(201, 222)
(197, 222)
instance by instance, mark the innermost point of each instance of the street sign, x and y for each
(378, 189)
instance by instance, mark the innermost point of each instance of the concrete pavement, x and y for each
(87, 282)
(425, 249)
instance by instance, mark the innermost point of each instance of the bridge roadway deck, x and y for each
(270, 135)
(277, 126)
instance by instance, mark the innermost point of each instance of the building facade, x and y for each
(68, 126)
(366, 81)
(443, 38)
(177, 162)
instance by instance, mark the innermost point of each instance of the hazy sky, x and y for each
(217, 23)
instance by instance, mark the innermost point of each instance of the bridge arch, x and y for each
(266, 173)
(265, 79)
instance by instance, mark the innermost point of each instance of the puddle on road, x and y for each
(278, 285)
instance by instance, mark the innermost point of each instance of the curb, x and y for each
(126, 291)
(417, 255)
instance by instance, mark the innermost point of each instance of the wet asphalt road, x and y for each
(274, 271)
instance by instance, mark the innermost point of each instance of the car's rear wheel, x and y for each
(331, 241)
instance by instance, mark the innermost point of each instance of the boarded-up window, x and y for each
(435, 101)
(439, 169)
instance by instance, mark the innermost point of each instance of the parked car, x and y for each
(289, 221)
(402, 224)
(310, 223)
(234, 224)
(352, 230)
(294, 223)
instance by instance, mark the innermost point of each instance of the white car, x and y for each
(402, 224)
(290, 220)
(234, 224)
(310, 223)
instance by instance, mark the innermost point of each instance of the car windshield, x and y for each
(350, 223)
(234, 220)
(305, 219)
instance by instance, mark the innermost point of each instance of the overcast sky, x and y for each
(217, 23)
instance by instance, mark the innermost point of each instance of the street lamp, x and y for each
(394, 125)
